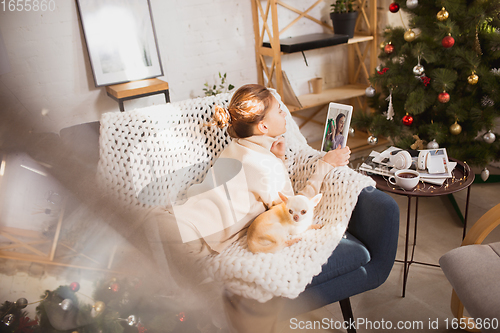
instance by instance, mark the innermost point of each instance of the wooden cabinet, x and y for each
(362, 53)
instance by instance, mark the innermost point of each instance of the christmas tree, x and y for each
(117, 305)
(439, 81)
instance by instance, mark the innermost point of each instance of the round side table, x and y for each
(462, 178)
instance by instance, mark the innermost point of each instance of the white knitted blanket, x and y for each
(151, 154)
(286, 273)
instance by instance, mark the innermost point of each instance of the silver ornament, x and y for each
(486, 101)
(22, 303)
(485, 174)
(390, 109)
(370, 91)
(352, 131)
(8, 319)
(398, 60)
(433, 144)
(418, 70)
(411, 4)
(489, 137)
(372, 140)
(132, 320)
(125, 298)
(66, 304)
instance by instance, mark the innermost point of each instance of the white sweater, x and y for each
(243, 182)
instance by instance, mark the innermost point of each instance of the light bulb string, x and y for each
(43, 299)
(404, 25)
(93, 300)
(402, 21)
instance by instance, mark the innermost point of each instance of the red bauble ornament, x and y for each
(115, 287)
(389, 48)
(181, 316)
(394, 7)
(444, 97)
(407, 120)
(74, 286)
(448, 42)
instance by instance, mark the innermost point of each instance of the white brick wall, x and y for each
(197, 39)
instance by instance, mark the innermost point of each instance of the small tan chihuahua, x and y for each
(268, 232)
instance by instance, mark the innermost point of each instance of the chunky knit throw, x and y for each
(152, 154)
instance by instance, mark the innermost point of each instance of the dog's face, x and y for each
(300, 207)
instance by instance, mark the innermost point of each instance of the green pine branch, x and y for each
(443, 79)
(418, 101)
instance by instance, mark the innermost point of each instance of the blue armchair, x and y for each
(363, 259)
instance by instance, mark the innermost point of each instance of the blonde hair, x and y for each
(247, 107)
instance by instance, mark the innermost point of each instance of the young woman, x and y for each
(330, 133)
(339, 137)
(243, 182)
(256, 123)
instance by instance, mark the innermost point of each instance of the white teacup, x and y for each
(406, 179)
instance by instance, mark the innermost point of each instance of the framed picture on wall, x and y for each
(121, 40)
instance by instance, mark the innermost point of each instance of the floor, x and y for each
(426, 307)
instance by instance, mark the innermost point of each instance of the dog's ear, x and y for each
(316, 199)
(283, 197)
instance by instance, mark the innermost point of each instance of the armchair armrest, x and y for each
(375, 222)
(483, 227)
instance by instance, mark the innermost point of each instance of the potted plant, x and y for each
(220, 88)
(343, 15)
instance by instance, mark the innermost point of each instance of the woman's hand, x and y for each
(278, 148)
(338, 157)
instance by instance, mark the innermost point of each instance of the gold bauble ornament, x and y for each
(455, 129)
(442, 15)
(382, 45)
(409, 35)
(97, 309)
(473, 78)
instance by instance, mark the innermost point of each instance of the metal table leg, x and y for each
(406, 266)
(466, 212)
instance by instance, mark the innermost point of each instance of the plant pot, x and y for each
(344, 23)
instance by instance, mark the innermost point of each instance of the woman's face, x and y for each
(275, 120)
(340, 125)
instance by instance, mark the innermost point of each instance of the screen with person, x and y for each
(337, 126)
